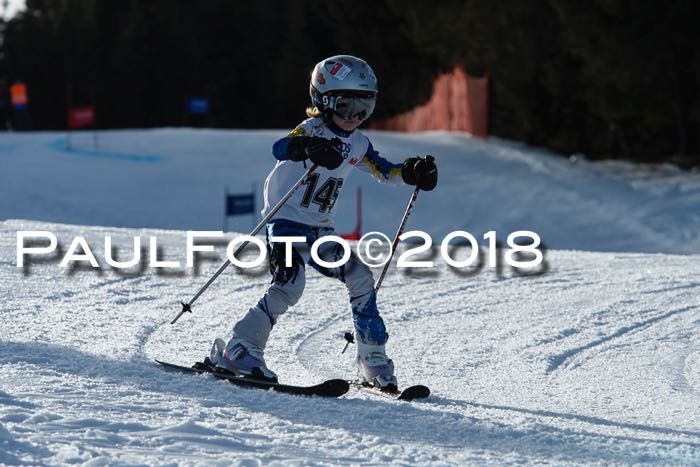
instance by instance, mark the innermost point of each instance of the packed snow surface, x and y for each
(593, 357)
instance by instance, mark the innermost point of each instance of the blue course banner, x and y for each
(240, 204)
(197, 105)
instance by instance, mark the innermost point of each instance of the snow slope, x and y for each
(594, 360)
(175, 179)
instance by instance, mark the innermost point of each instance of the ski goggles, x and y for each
(353, 106)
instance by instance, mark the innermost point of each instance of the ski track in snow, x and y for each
(557, 361)
(594, 359)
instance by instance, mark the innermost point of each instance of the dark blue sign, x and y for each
(198, 105)
(240, 204)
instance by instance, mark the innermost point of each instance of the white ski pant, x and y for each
(287, 285)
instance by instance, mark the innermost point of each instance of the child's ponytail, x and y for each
(313, 112)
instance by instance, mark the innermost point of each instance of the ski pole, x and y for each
(396, 238)
(187, 307)
(349, 336)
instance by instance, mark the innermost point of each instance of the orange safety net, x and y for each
(18, 94)
(459, 103)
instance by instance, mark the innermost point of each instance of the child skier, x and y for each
(343, 92)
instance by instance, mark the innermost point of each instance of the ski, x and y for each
(330, 388)
(408, 394)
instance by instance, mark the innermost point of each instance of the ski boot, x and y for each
(242, 358)
(375, 368)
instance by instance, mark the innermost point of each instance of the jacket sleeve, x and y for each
(279, 149)
(380, 168)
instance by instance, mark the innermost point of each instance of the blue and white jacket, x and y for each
(312, 204)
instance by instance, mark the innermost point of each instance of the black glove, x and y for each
(296, 148)
(325, 152)
(420, 171)
(321, 151)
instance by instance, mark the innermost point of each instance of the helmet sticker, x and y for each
(339, 71)
(371, 75)
(320, 78)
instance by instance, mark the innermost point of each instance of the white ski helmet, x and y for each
(344, 84)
